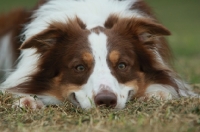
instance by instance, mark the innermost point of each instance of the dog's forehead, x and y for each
(98, 43)
(106, 44)
(100, 48)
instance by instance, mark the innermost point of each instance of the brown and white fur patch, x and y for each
(92, 53)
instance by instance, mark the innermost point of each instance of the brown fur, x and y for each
(143, 8)
(65, 46)
(62, 48)
(62, 42)
(114, 57)
(126, 33)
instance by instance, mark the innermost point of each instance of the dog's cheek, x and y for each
(63, 92)
(138, 85)
(134, 85)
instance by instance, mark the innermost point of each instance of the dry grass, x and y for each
(172, 116)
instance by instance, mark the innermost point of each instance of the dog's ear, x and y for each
(44, 39)
(148, 30)
(54, 34)
(143, 29)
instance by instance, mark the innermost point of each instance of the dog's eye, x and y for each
(80, 68)
(121, 66)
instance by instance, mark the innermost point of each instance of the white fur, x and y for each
(159, 58)
(92, 12)
(26, 66)
(29, 102)
(35, 103)
(185, 89)
(48, 100)
(6, 56)
(101, 76)
(168, 92)
(45, 99)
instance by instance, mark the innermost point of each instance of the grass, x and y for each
(181, 115)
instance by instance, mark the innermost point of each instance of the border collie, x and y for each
(89, 52)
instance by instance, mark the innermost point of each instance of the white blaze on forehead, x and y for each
(101, 72)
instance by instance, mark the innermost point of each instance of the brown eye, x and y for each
(121, 66)
(80, 68)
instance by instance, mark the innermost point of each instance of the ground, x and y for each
(181, 115)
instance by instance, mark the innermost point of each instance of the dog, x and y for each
(89, 52)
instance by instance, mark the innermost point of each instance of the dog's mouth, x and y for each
(73, 100)
(130, 95)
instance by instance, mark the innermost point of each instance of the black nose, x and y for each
(105, 98)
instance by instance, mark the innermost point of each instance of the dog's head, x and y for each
(102, 66)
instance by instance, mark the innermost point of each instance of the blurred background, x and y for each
(181, 17)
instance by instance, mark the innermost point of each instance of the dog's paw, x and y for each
(28, 102)
(159, 92)
(159, 95)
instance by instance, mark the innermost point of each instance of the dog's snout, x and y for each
(106, 98)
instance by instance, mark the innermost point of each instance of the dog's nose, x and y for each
(106, 98)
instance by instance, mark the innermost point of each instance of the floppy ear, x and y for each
(148, 29)
(143, 29)
(43, 40)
